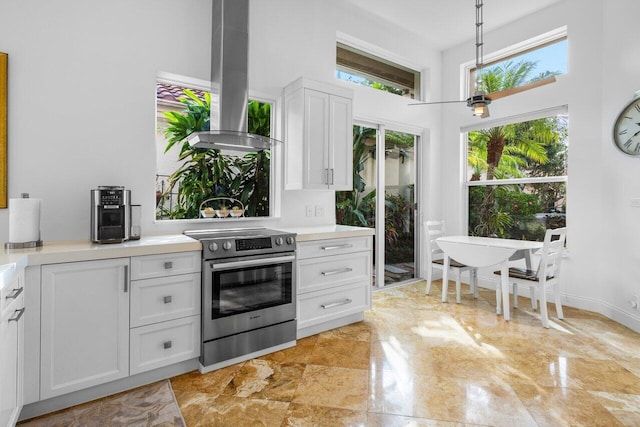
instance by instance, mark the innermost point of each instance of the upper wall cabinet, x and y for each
(318, 136)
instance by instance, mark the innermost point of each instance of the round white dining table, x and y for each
(477, 251)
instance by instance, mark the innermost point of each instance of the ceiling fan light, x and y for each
(481, 110)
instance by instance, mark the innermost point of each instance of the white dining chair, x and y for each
(435, 259)
(546, 276)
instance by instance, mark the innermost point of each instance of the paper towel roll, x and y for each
(24, 220)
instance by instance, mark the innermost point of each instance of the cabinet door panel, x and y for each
(85, 325)
(316, 139)
(10, 364)
(341, 148)
(164, 298)
(332, 271)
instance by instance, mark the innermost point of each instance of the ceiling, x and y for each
(447, 23)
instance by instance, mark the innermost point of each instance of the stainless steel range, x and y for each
(248, 294)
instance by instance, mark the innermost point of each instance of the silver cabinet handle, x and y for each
(14, 294)
(167, 299)
(336, 304)
(126, 278)
(333, 248)
(342, 270)
(331, 176)
(17, 316)
(168, 265)
(166, 344)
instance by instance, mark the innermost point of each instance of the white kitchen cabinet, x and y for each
(11, 350)
(333, 283)
(84, 325)
(165, 310)
(318, 136)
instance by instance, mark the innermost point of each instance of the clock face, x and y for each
(626, 131)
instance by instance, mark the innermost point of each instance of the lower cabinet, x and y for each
(11, 348)
(333, 283)
(105, 320)
(84, 325)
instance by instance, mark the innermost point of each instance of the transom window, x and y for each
(533, 64)
(363, 68)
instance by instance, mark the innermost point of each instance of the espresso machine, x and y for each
(110, 214)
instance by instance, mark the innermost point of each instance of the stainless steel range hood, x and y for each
(229, 79)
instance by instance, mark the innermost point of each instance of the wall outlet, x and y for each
(319, 210)
(309, 210)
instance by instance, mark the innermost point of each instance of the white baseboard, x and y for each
(630, 320)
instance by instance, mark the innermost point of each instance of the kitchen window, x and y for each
(193, 183)
(517, 175)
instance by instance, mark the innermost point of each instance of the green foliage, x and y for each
(208, 173)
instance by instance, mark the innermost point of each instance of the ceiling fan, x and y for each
(479, 101)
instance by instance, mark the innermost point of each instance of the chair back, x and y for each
(433, 230)
(552, 248)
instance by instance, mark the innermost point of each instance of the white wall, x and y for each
(82, 91)
(602, 271)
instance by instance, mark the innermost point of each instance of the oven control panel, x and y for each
(252, 244)
(225, 244)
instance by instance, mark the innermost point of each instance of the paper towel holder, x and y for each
(23, 245)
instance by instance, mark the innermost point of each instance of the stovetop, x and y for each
(236, 242)
(231, 233)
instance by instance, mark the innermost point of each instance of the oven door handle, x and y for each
(251, 262)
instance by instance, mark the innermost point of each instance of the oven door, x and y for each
(242, 294)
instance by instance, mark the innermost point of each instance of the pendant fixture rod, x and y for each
(479, 102)
(479, 42)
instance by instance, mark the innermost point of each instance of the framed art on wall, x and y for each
(4, 59)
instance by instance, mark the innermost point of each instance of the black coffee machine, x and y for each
(110, 214)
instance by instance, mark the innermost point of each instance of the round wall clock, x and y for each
(626, 130)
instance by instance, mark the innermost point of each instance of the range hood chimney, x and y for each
(229, 79)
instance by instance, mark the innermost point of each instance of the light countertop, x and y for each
(84, 250)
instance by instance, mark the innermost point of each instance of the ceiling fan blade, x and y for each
(499, 94)
(436, 102)
(506, 92)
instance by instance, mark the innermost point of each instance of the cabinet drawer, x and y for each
(330, 271)
(164, 298)
(150, 266)
(9, 293)
(165, 343)
(321, 306)
(318, 248)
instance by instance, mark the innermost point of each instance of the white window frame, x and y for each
(464, 131)
(275, 174)
(512, 50)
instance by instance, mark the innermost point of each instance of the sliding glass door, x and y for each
(384, 198)
(399, 207)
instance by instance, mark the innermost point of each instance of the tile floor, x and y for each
(417, 362)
